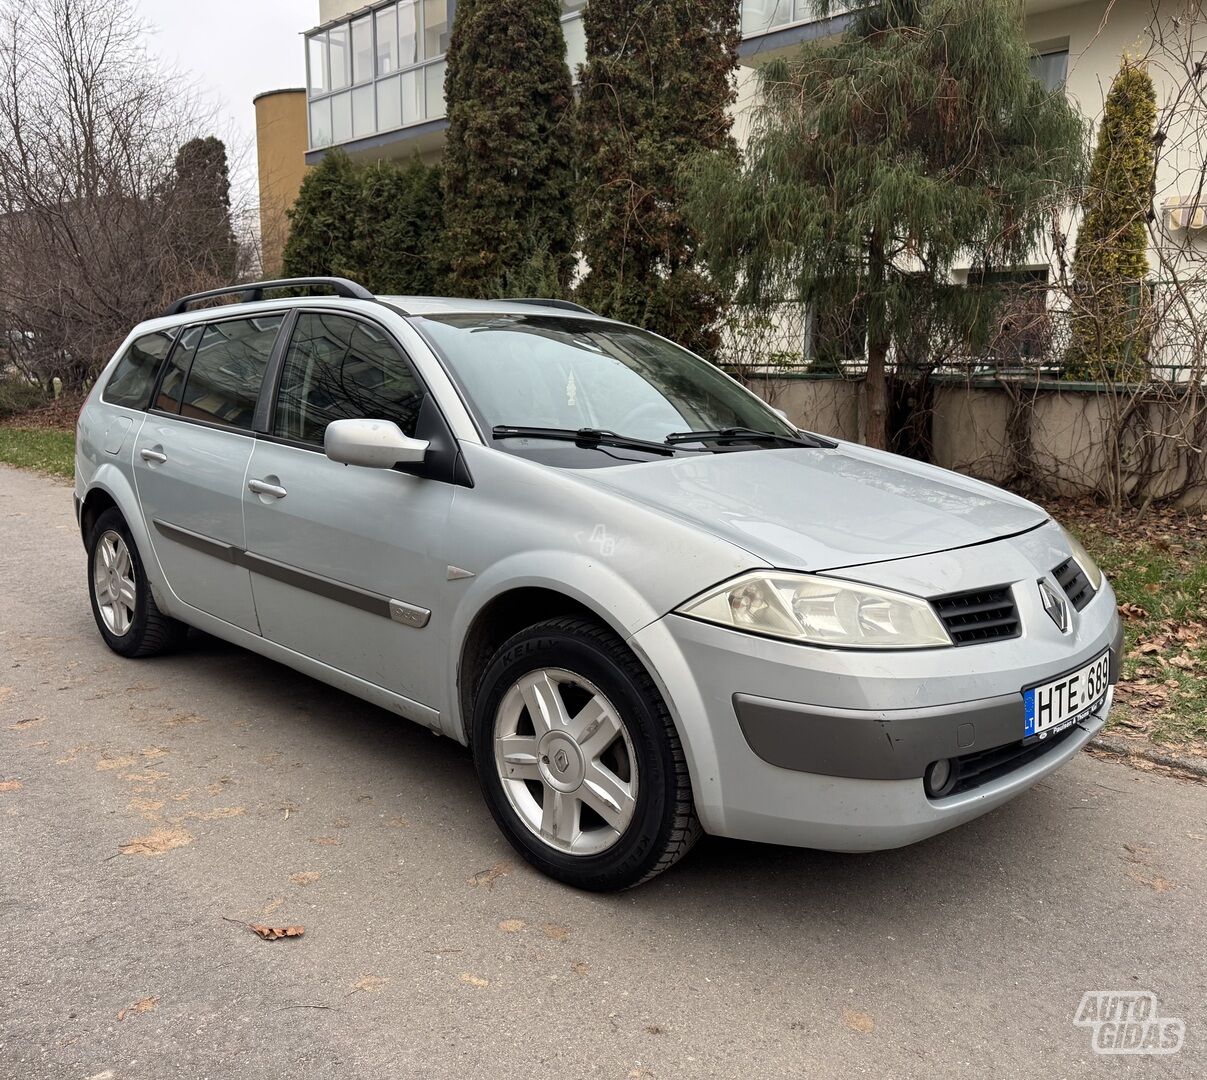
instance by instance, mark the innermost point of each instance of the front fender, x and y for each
(595, 585)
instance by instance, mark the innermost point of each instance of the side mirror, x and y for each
(373, 444)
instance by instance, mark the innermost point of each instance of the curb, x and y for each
(1128, 750)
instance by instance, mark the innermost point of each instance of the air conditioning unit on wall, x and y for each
(1186, 212)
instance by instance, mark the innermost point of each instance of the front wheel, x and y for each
(579, 760)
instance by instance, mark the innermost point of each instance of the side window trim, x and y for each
(266, 403)
(182, 332)
(275, 374)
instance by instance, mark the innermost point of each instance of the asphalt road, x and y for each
(430, 951)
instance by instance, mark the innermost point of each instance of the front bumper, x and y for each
(826, 748)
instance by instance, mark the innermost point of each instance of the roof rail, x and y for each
(251, 291)
(565, 305)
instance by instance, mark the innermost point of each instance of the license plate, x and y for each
(1054, 706)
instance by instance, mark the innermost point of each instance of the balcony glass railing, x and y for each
(764, 16)
(383, 69)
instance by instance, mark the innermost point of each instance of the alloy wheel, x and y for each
(113, 582)
(566, 761)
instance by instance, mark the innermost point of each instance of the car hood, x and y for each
(822, 509)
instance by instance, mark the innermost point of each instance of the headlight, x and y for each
(1082, 558)
(820, 611)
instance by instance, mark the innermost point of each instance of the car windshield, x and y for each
(569, 374)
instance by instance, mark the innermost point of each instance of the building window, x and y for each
(1051, 68)
(437, 19)
(362, 50)
(408, 33)
(364, 112)
(320, 122)
(316, 64)
(341, 118)
(386, 21)
(337, 57)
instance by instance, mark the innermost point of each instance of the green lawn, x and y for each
(43, 449)
(1158, 568)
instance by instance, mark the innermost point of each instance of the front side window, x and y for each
(339, 368)
(131, 382)
(228, 368)
(550, 371)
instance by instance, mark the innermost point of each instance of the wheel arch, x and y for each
(110, 487)
(500, 617)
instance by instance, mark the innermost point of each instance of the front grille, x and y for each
(985, 615)
(985, 766)
(1076, 585)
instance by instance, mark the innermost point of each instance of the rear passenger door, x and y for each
(191, 458)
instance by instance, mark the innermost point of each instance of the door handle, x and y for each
(261, 487)
(153, 455)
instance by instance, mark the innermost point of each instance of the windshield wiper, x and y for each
(583, 437)
(735, 434)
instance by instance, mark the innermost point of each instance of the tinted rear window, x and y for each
(223, 381)
(131, 382)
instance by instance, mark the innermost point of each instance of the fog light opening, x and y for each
(940, 778)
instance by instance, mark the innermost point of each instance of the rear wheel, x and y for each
(578, 757)
(125, 611)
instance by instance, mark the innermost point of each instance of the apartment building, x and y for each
(375, 76)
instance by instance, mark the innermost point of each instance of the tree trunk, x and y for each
(876, 395)
(876, 385)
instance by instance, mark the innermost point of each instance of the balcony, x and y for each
(377, 76)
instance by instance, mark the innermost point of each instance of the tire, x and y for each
(628, 779)
(134, 630)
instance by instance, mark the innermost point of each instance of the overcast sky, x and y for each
(233, 50)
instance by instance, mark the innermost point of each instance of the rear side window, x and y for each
(168, 398)
(223, 381)
(131, 382)
(339, 368)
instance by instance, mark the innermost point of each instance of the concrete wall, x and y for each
(281, 158)
(1070, 429)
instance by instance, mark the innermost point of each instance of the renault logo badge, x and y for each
(1055, 605)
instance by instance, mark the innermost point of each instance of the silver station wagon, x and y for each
(650, 605)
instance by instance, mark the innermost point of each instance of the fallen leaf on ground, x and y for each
(124, 762)
(474, 980)
(9, 785)
(489, 877)
(326, 841)
(273, 933)
(1132, 611)
(1157, 883)
(141, 1006)
(511, 926)
(183, 718)
(580, 967)
(368, 983)
(5, 691)
(26, 724)
(655, 1029)
(555, 932)
(156, 842)
(858, 1021)
(306, 877)
(218, 814)
(397, 823)
(148, 808)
